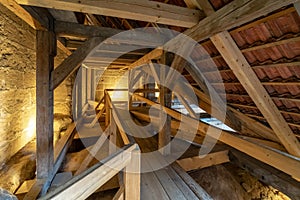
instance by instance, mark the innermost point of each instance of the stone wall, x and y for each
(17, 86)
(112, 79)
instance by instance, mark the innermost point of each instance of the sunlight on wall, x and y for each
(30, 129)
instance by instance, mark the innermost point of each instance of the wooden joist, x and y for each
(284, 162)
(143, 10)
(242, 70)
(199, 162)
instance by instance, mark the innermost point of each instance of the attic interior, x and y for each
(160, 99)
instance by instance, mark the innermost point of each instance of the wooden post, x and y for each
(89, 82)
(93, 84)
(45, 53)
(130, 87)
(84, 86)
(165, 98)
(107, 109)
(112, 148)
(79, 102)
(132, 176)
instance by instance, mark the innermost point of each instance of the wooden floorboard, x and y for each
(157, 182)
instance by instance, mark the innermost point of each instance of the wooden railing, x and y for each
(86, 183)
(126, 159)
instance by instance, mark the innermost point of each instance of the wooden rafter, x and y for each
(235, 119)
(284, 162)
(247, 77)
(227, 47)
(143, 10)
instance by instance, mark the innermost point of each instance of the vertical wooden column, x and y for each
(84, 86)
(89, 83)
(165, 98)
(45, 53)
(130, 89)
(93, 84)
(132, 176)
(79, 103)
(107, 109)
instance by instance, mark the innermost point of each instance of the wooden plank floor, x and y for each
(160, 182)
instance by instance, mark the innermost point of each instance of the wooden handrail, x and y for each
(83, 185)
(127, 139)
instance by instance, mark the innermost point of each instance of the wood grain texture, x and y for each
(148, 11)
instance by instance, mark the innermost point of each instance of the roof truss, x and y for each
(143, 10)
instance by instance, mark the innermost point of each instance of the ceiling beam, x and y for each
(201, 4)
(67, 29)
(141, 10)
(247, 77)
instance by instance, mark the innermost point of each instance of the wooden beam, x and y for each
(284, 162)
(242, 70)
(83, 185)
(120, 193)
(137, 10)
(31, 21)
(45, 52)
(200, 162)
(23, 14)
(165, 99)
(187, 106)
(132, 176)
(200, 4)
(67, 29)
(147, 58)
(233, 15)
(73, 62)
(234, 119)
(96, 147)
